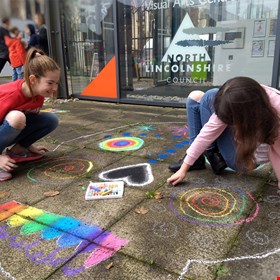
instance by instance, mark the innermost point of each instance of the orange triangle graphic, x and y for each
(105, 84)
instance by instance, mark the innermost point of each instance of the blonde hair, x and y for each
(38, 64)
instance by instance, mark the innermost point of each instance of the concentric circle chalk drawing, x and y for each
(156, 207)
(71, 238)
(133, 175)
(165, 229)
(60, 170)
(257, 237)
(213, 205)
(257, 256)
(121, 144)
(272, 199)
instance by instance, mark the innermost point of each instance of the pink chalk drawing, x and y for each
(89, 241)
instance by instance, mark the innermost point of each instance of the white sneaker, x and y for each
(4, 175)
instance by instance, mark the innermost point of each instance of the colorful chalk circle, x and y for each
(214, 205)
(120, 144)
(60, 170)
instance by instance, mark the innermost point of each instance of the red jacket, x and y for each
(16, 51)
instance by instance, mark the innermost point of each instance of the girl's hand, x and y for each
(176, 177)
(6, 163)
(179, 175)
(37, 149)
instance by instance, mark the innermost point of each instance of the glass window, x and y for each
(178, 46)
(89, 45)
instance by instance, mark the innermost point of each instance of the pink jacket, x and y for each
(214, 128)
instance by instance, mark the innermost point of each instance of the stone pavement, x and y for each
(208, 227)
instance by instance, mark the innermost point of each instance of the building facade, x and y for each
(157, 51)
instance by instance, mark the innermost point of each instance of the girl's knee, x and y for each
(52, 121)
(16, 119)
(196, 95)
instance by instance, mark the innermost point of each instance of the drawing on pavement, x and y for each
(70, 238)
(213, 205)
(59, 170)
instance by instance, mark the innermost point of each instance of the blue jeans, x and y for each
(37, 126)
(198, 114)
(17, 73)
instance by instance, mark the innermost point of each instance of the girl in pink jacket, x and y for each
(236, 126)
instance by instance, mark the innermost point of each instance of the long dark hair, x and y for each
(243, 104)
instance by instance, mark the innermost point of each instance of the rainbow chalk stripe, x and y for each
(121, 144)
(98, 243)
(54, 110)
(213, 205)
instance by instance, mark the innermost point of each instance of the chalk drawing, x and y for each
(131, 126)
(257, 256)
(274, 216)
(121, 144)
(176, 129)
(158, 208)
(181, 131)
(60, 170)
(137, 175)
(257, 237)
(272, 199)
(213, 205)
(90, 241)
(54, 110)
(165, 229)
(144, 128)
(5, 273)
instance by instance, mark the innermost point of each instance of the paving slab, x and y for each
(208, 227)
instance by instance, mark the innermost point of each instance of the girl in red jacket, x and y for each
(21, 123)
(16, 53)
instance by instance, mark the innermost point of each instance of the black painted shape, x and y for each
(131, 174)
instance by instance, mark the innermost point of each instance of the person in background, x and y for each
(16, 52)
(241, 120)
(42, 34)
(21, 122)
(31, 32)
(4, 52)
